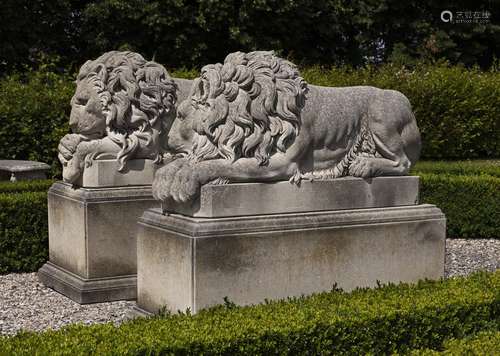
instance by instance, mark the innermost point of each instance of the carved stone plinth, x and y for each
(187, 262)
(92, 241)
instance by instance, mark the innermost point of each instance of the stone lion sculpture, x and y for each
(122, 106)
(254, 119)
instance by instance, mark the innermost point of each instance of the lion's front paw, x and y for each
(164, 179)
(186, 184)
(72, 171)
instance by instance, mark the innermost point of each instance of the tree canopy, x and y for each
(191, 33)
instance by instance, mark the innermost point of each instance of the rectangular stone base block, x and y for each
(193, 263)
(84, 291)
(242, 199)
(92, 237)
(104, 173)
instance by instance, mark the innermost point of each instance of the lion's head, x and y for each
(249, 106)
(124, 97)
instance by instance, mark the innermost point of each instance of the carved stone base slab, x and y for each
(84, 291)
(242, 199)
(104, 173)
(92, 235)
(193, 263)
(15, 170)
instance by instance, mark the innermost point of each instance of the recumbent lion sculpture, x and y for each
(121, 109)
(254, 119)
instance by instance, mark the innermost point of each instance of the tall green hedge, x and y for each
(34, 115)
(367, 321)
(457, 109)
(23, 231)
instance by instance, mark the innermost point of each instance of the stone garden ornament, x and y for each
(255, 119)
(251, 119)
(122, 106)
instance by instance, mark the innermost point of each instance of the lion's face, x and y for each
(180, 135)
(87, 115)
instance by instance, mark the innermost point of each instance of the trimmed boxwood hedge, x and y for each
(23, 231)
(460, 168)
(482, 343)
(470, 203)
(376, 321)
(26, 186)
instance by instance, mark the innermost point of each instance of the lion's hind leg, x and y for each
(394, 165)
(392, 133)
(386, 160)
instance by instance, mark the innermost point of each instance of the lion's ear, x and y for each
(84, 70)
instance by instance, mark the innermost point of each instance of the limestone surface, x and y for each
(193, 263)
(122, 107)
(253, 118)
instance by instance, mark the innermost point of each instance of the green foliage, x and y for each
(25, 186)
(34, 111)
(457, 109)
(476, 167)
(31, 27)
(482, 343)
(23, 231)
(193, 33)
(375, 321)
(470, 203)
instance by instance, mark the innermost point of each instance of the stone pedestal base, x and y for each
(193, 263)
(83, 290)
(92, 241)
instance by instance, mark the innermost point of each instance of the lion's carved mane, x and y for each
(253, 102)
(135, 95)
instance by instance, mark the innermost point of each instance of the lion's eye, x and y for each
(81, 101)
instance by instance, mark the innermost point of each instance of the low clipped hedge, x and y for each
(475, 167)
(377, 321)
(482, 343)
(470, 203)
(23, 230)
(26, 186)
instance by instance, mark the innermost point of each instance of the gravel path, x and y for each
(26, 304)
(464, 256)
